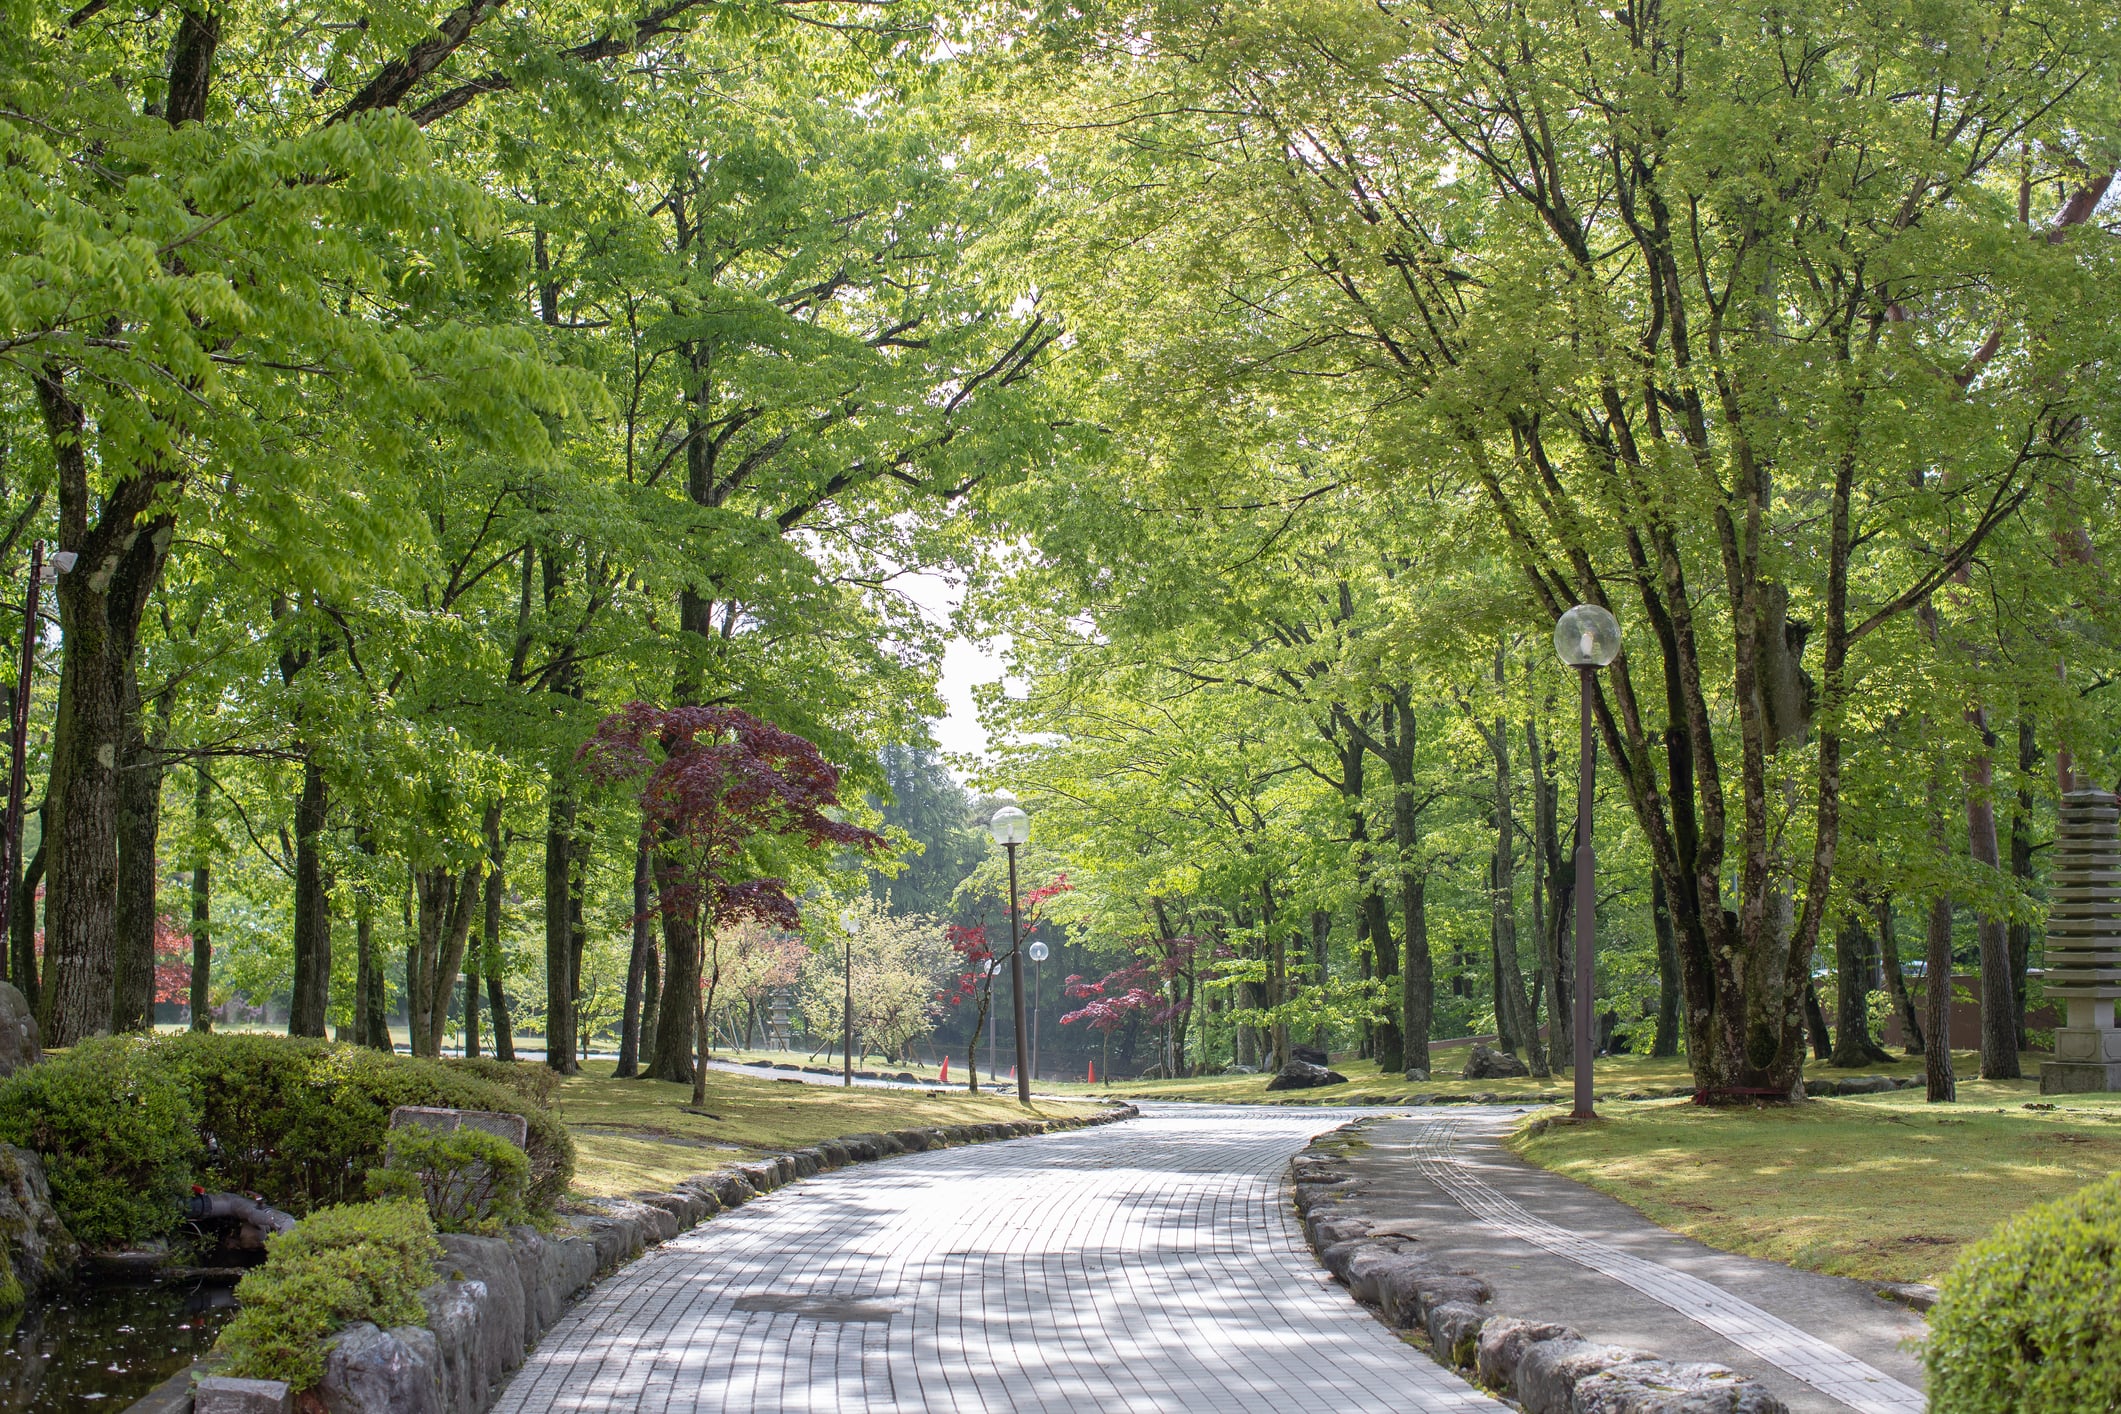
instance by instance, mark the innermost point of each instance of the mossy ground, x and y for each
(1879, 1187)
(642, 1134)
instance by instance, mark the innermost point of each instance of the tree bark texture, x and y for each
(1895, 979)
(311, 1004)
(22, 966)
(202, 902)
(1665, 1041)
(651, 998)
(504, 1041)
(636, 969)
(1941, 1086)
(1999, 994)
(559, 928)
(1854, 980)
(672, 1058)
(1556, 957)
(139, 834)
(448, 899)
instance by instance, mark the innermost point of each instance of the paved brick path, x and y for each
(1146, 1265)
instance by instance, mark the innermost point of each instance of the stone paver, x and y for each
(1556, 1250)
(1145, 1265)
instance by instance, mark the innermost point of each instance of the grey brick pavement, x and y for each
(1145, 1265)
(1823, 1366)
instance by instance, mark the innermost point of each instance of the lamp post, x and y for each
(1587, 637)
(1039, 954)
(1012, 827)
(850, 924)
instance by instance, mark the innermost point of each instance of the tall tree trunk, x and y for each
(636, 970)
(2022, 875)
(1417, 970)
(1854, 972)
(139, 833)
(577, 937)
(1895, 979)
(672, 1058)
(559, 925)
(1556, 958)
(100, 604)
(471, 1000)
(1999, 1001)
(448, 899)
(651, 998)
(1942, 1088)
(1349, 737)
(372, 1023)
(202, 898)
(312, 988)
(504, 1041)
(1666, 1040)
(1515, 1027)
(1815, 1024)
(22, 966)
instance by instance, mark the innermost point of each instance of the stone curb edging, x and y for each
(1548, 1368)
(1827, 1087)
(498, 1295)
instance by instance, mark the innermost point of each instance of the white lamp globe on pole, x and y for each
(1587, 638)
(1011, 827)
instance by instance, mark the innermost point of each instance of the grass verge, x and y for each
(642, 1134)
(1877, 1187)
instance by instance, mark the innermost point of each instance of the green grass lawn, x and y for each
(1879, 1187)
(640, 1134)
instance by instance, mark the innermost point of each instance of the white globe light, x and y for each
(1587, 636)
(850, 922)
(1010, 826)
(1039, 952)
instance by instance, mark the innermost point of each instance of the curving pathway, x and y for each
(1146, 1265)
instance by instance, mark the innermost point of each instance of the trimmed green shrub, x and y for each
(115, 1127)
(361, 1262)
(471, 1181)
(302, 1121)
(539, 1084)
(2029, 1319)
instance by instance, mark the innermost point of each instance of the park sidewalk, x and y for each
(1555, 1250)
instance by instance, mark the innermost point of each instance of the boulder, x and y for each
(221, 1394)
(1487, 1063)
(1454, 1332)
(371, 1371)
(1416, 1074)
(39, 1249)
(733, 1189)
(1411, 1293)
(18, 1032)
(1240, 1070)
(1369, 1262)
(1327, 1230)
(1302, 1075)
(476, 1314)
(549, 1270)
(1503, 1342)
(914, 1141)
(1663, 1387)
(1547, 1376)
(1310, 1055)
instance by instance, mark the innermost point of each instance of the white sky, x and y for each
(965, 663)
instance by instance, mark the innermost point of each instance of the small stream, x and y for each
(102, 1345)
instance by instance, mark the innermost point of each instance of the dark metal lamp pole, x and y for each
(850, 924)
(1011, 827)
(1587, 637)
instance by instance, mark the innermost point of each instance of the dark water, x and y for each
(102, 1346)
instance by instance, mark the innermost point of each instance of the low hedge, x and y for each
(302, 1121)
(361, 1262)
(2029, 1319)
(117, 1130)
(124, 1124)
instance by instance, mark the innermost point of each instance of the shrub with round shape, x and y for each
(360, 1262)
(2029, 1319)
(115, 1126)
(304, 1120)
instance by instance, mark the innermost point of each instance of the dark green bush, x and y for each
(538, 1084)
(471, 1181)
(2029, 1320)
(114, 1124)
(361, 1262)
(303, 1121)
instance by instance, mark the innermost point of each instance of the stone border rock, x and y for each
(496, 1296)
(1546, 1367)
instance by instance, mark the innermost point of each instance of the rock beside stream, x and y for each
(40, 1250)
(18, 1032)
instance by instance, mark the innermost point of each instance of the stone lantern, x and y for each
(2084, 945)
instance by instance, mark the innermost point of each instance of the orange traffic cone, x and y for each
(1093, 1074)
(946, 1072)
